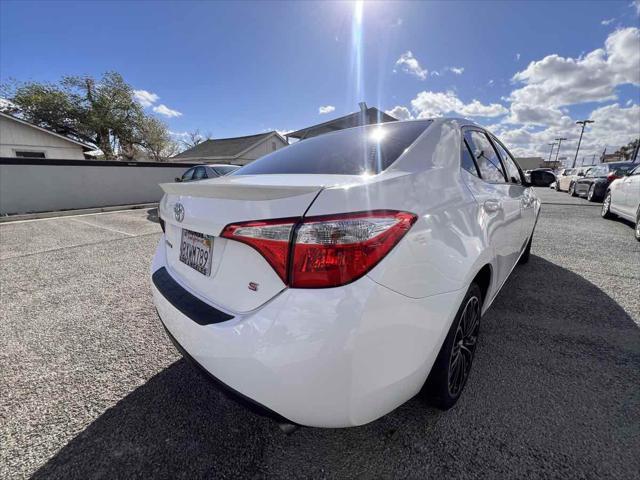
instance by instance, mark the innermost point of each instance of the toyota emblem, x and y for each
(178, 211)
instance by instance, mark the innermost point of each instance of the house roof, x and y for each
(85, 147)
(225, 147)
(366, 116)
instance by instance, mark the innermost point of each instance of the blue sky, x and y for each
(243, 67)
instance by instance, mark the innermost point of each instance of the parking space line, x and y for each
(102, 226)
(101, 242)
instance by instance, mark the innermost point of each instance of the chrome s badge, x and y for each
(178, 211)
(253, 286)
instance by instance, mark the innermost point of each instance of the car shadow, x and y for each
(554, 389)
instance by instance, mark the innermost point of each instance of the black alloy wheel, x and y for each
(451, 369)
(572, 190)
(464, 346)
(591, 193)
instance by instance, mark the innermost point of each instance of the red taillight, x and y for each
(328, 251)
(269, 237)
(612, 176)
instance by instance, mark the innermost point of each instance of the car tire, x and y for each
(591, 194)
(638, 227)
(558, 187)
(572, 190)
(453, 364)
(606, 207)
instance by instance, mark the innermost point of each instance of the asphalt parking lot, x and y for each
(92, 388)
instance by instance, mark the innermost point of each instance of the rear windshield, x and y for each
(621, 167)
(224, 169)
(356, 151)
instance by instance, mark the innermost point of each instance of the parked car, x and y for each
(202, 172)
(542, 177)
(622, 199)
(331, 281)
(596, 180)
(568, 175)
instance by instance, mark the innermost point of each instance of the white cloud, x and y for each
(490, 83)
(400, 112)
(326, 109)
(409, 64)
(636, 4)
(145, 98)
(435, 104)
(614, 126)
(524, 114)
(556, 81)
(608, 21)
(166, 111)
(517, 57)
(457, 70)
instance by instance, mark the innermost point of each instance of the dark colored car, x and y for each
(596, 180)
(202, 172)
(541, 177)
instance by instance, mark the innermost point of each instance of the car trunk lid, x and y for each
(233, 276)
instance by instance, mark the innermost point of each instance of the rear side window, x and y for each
(355, 151)
(509, 164)
(466, 160)
(486, 157)
(223, 170)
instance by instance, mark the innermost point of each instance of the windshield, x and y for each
(356, 151)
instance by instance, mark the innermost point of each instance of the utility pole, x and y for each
(584, 124)
(559, 143)
(552, 145)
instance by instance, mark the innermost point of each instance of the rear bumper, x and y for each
(333, 357)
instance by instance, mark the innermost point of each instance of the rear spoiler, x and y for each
(237, 191)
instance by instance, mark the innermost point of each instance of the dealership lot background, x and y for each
(93, 388)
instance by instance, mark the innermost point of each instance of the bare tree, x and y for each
(194, 138)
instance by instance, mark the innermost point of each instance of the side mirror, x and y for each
(178, 179)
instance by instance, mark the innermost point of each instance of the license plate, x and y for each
(196, 250)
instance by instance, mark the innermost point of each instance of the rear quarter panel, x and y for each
(447, 245)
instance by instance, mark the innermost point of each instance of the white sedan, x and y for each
(331, 281)
(622, 199)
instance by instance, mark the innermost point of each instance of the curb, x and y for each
(68, 213)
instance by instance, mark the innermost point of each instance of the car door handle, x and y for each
(492, 206)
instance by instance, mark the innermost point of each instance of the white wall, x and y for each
(18, 136)
(42, 188)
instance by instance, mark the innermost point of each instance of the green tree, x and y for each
(103, 113)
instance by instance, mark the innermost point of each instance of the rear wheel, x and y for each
(557, 186)
(638, 227)
(572, 190)
(452, 366)
(606, 207)
(591, 195)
